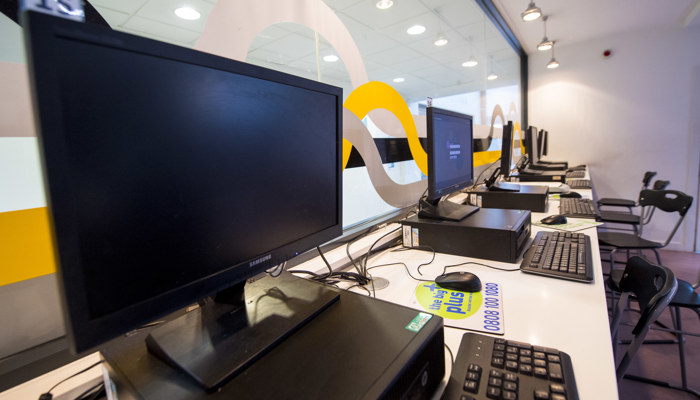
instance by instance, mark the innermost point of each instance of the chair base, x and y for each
(663, 384)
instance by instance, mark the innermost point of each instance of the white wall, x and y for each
(625, 114)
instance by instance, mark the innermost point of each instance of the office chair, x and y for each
(629, 218)
(653, 286)
(617, 202)
(686, 296)
(668, 201)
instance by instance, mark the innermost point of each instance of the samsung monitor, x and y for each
(450, 163)
(172, 175)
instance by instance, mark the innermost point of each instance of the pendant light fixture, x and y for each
(553, 63)
(545, 44)
(471, 62)
(531, 13)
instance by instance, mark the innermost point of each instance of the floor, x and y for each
(660, 361)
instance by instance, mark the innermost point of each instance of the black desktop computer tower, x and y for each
(357, 348)
(528, 197)
(490, 233)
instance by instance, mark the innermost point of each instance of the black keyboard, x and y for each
(579, 183)
(576, 174)
(565, 255)
(491, 368)
(577, 207)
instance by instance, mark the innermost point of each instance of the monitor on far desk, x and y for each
(450, 164)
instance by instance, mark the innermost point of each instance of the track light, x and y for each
(531, 13)
(545, 44)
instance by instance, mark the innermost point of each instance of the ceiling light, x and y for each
(532, 13)
(492, 76)
(545, 44)
(384, 4)
(415, 30)
(399, 80)
(330, 58)
(470, 63)
(553, 63)
(441, 41)
(187, 13)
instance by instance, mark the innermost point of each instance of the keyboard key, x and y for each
(534, 373)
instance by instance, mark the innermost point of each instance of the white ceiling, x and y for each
(573, 21)
(387, 51)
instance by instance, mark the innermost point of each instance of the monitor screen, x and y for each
(173, 174)
(540, 144)
(450, 159)
(545, 143)
(507, 150)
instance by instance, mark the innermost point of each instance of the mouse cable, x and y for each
(452, 357)
(405, 267)
(420, 248)
(483, 265)
(49, 396)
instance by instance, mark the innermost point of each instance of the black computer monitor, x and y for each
(545, 143)
(173, 175)
(532, 145)
(450, 163)
(507, 150)
(540, 144)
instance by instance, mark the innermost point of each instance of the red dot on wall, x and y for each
(607, 53)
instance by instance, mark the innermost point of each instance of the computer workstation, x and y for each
(379, 345)
(159, 162)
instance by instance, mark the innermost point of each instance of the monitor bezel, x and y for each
(86, 333)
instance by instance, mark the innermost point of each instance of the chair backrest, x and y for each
(660, 184)
(654, 287)
(665, 200)
(647, 179)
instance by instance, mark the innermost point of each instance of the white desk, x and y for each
(570, 316)
(545, 311)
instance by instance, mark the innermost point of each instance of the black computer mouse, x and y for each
(575, 195)
(462, 281)
(555, 219)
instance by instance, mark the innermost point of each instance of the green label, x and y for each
(418, 322)
(449, 304)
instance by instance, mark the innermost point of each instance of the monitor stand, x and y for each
(445, 210)
(220, 339)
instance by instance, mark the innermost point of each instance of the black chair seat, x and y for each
(619, 217)
(609, 201)
(685, 296)
(626, 241)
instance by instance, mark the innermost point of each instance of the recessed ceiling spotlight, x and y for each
(384, 4)
(415, 30)
(441, 41)
(492, 76)
(187, 13)
(399, 80)
(330, 58)
(531, 13)
(470, 63)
